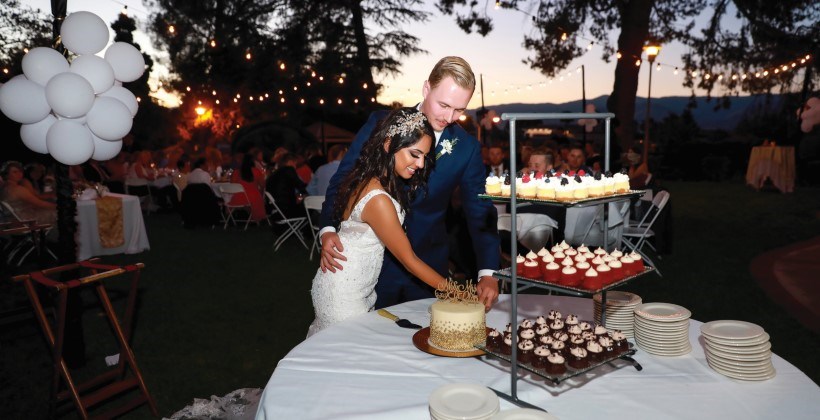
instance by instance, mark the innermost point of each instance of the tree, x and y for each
(21, 27)
(562, 24)
(772, 37)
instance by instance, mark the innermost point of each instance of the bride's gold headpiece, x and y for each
(406, 123)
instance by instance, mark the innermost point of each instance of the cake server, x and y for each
(400, 322)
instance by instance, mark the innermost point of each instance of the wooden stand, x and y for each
(107, 384)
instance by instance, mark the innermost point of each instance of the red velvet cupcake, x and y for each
(617, 271)
(571, 277)
(629, 265)
(531, 270)
(519, 265)
(592, 281)
(552, 273)
(639, 265)
(604, 273)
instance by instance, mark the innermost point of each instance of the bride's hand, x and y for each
(332, 249)
(487, 290)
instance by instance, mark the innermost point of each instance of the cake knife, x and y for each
(400, 322)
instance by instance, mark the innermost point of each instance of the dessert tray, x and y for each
(571, 372)
(572, 203)
(571, 290)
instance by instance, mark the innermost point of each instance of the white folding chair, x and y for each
(635, 237)
(235, 189)
(313, 202)
(294, 224)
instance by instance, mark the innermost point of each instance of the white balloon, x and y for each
(34, 135)
(69, 143)
(109, 119)
(79, 120)
(69, 95)
(123, 95)
(41, 64)
(23, 100)
(104, 149)
(126, 60)
(84, 33)
(94, 69)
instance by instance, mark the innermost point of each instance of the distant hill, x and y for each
(704, 113)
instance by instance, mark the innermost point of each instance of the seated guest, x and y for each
(199, 174)
(94, 172)
(25, 204)
(638, 169)
(498, 164)
(303, 170)
(540, 162)
(250, 182)
(34, 181)
(117, 169)
(575, 160)
(284, 185)
(318, 184)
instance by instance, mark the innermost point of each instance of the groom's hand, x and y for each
(487, 291)
(331, 251)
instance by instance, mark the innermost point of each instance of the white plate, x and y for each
(618, 298)
(523, 414)
(739, 343)
(463, 400)
(662, 331)
(738, 349)
(663, 346)
(658, 342)
(732, 330)
(739, 366)
(764, 355)
(665, 312)
(661, 324)
(668, 353)
(746, 377)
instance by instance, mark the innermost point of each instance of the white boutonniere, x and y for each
(447, 147)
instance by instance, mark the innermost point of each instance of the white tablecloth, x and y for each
(368, 368)
(88, 236)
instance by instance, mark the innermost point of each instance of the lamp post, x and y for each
(652, 51)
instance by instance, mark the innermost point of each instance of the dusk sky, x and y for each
(498, 57)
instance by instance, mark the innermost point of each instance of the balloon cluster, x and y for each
(75, 111)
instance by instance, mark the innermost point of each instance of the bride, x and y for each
(392, 168)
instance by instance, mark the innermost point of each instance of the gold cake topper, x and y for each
(453, 291)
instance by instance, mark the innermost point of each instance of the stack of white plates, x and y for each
(738, 349)
(662, 329)
(620, 307)
(463, 402)
(524, 414)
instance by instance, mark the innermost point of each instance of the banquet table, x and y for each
(368, 368)
(772, 162)
(88, 236)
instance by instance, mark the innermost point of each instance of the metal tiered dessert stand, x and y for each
(515, 279)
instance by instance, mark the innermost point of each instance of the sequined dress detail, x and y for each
(350, 292)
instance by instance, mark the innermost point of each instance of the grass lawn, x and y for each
(218, 309)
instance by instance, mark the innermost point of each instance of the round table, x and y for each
(368, 368)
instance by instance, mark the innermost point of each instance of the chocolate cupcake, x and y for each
(539, 357)
(553, 315)
(574, 330)
(546, 340)
(576, 340)
(560, 336)
(506, 345)
(557, 325)
(589, 335)
(600, 330)
(595, 351)
(571, 320)
(541, 320)
(621, 345)
(542, 330)
(525, 349)
(577, 358)
(585, 326)
(525, 324)
(494, 340)
(608, 344)
(558, 347)
(527, 334)
(555, 365)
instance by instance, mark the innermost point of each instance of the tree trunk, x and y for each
(365, 70)
(634, 32)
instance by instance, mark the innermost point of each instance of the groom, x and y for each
(446, 94)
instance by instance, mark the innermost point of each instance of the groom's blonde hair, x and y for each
(455, 67)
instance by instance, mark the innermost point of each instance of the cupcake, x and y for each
(617, 271)
(492, 186)
(552, 272)
(585, 326)
(567, 261)
(570, 252)
(541, 320)
(556, 364)
(527, 334)
(570, 276)
(559, 255)
(591, 280)
(581, 190)
(560, 336)
(541, 252)
(582, 266)
(608, 344)
(600, 330)
(572, 319)
(576, 340)
(542, 330)
(583, 249)
(577, 358)
(525, 349)
(519, 265)
(597, 261)
(546, 340)
(506, 345)
(557, 325)
(558, 347)
(540, 355)
(555, 248)
(525, 325)
(595, 351)
(621, 345)
(494, 340)
(599, 251)
(553, 314)
(573, 330)
(546, 259)
(579, 258)
(589, 255)
(639, 266)
(589, 335)
(616, 253)
(604, 274)
(531, 269)
(629, 265)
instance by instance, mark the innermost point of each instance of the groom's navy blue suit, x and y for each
(425, 220)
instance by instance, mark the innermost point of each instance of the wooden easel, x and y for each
(108, 384)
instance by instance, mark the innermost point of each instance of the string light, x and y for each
(282, 66)
(248, 56)
(172, 29)
(638, 62)
(213, 43)
(619, 55)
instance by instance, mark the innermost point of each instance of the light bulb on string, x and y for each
(187, 88)
(589, 47)
(765, 73)
(25, 50)
(235, 100)
(282, 66)
(695, 73)
(785, 68)
(658, 67)
(372, 99)
(564, 36)
(321, 101)
(734, 77)
(757, 75)
(250, 98)
(308, 84)
(720, 77)
(618, 55)
(213, 43)
(707, 76)
(339, 101)
(312, 74)
(321, 78)
(261, 99)
(341, 80)
(302, 101)
(248, 56)
(282, 100)
(199, 102)
(213, 93)
(743, 76)
(675, 72)
(281, 92)
(776, 71)
(238, 95)
(793, 65)
(355, 100)
(172, 29)
(217, 101)
(638, 62)
(295, 88)
(266, 95)
(364, 85)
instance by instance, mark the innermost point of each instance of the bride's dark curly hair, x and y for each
(376, 162)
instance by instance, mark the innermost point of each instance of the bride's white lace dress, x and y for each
(350, 292)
